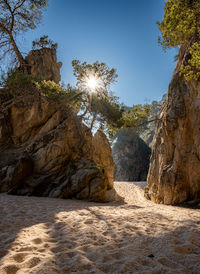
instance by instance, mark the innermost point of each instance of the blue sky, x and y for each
(122, 33)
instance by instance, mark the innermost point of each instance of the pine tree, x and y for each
(18, 16)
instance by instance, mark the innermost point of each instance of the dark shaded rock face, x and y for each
(131, 157)
(174, 173)
(43, 64)
(45, 150)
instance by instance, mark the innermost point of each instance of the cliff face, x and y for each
(131, 157)
(174, 173)
(45, 150)
(43, 64)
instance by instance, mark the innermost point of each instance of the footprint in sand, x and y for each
(168, 263)
(185, 249)
(33, 262)
(37, 241)
(10, 269)
(42, 250)
(88, 222)
(65, 256)
(56, 249)
(59, 225)
(20, 257)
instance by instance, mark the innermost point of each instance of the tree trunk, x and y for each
(17, 52)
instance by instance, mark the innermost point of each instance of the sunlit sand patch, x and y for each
(27, 250)
(43, 235)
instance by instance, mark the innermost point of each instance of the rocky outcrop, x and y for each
(174, 173)
(131, 157)
(43, 64)
(45, 150)
(102, 155)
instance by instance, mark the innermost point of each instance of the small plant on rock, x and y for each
(44, 42)
(18, 83)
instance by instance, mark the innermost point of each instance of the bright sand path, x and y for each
(44, 235)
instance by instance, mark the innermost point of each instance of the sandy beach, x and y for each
(44, 235)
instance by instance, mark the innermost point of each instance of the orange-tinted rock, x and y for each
(43, 64)
(63, 159)
(174, 173)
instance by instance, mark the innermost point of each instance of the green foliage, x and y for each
(51, 90)
(58, 93)
(105, 76)
(181, 27)
(191, 70)
(136, 115)
(181, 23)
(98, 105)
(18, 83)
(44, 42)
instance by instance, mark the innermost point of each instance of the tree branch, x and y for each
(84, 113)
(4, 43)
(19, 6)
(147, 122)
(8, 6)
(93, 120)
(12, 15)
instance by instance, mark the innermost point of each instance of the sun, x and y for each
(92, 82)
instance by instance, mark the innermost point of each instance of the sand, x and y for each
(44, 235)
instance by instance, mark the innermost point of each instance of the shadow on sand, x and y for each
(80, 237)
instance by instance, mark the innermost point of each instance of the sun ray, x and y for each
(92, 82)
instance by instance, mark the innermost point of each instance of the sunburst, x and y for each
(91, 82)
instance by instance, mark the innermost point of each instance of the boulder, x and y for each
(45, 150)
(131, 157)
(174, 173)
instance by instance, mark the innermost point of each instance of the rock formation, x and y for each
(174, 173)
(45, 150)
(43, 64)
(131, 157)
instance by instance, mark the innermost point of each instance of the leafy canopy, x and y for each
(191, 70)
(98, 103)
(100, 108)
(181, 23)
(181, 27)
(101, 72)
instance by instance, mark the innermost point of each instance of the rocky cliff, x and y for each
(131, 157)
(43, 64)
(174, 173)
(45, 150)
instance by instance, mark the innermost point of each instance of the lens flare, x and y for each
(92, 82)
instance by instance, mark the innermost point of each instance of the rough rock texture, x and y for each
(102, 155)
(174, 173)
(43, 64)
(45, 150)
(131, 157)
